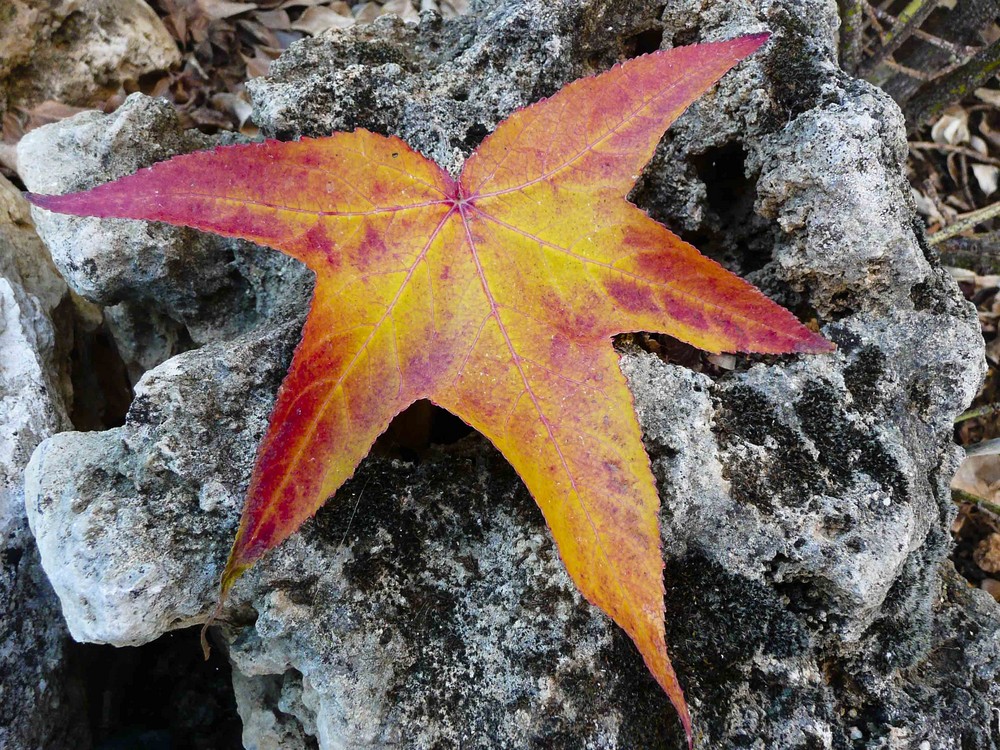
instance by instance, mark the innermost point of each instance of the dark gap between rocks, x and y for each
(731, 232)
(644, 42)
(417, 428)
(102, 392)
(161, 696)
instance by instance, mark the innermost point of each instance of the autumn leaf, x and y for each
(495, 296)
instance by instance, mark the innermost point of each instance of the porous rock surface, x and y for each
(38, 706)
(805, 499)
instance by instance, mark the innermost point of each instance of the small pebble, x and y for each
(987, 554)
(856, 733)
(925, 745)
(992, 587)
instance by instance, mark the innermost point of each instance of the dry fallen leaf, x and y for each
(979, 476)
(402, 8)
(986, 176)
(987, 554)
(952, 128)
(317, 19)
(219, 9)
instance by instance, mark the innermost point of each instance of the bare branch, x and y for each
(933, 97)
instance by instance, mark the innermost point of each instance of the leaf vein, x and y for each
(541, 414)
(626, 118)
(290, 472)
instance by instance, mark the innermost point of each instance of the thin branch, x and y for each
(932, 98)
(979, 411)
(947, 147)
(909, 20)
(873, 19)
(978, 252)
(965, 222)
(852, 24)
(962, 496)
(960, 51)
(911, 72)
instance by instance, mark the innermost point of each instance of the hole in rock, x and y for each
(644, 42)
(475, 135)
(722, 171)
(688, 36)
(161, 695)
(11, 556)
(418, 427)
(676, 352)
(731, 231)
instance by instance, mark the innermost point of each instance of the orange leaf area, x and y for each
(495, 296)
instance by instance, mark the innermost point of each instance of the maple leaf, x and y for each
(494, 295)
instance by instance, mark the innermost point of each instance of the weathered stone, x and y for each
(38, 706)
(196, 432)
(77, 51)
(805, 499)
(443, 87)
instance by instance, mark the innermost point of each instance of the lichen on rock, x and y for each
(805, 511)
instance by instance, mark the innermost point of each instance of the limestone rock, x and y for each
(77, 51)
(38, 707)
(806, 508)
(197, 434)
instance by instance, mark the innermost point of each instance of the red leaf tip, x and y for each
(815, 344)
(68, 203)
(37, 199)
(753, 42)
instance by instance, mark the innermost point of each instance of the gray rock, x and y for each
(443, 87)
(77, 51)
(38, 705)
(806, 508)
(197, 434)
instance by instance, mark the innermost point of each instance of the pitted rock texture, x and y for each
(38, 706)
(194, 424)
(467, 615)
(805, 499)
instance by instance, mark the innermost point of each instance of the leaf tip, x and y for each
(685, 718)
(68, 203)
(815, 344)
(37, 199)
(752, 42)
